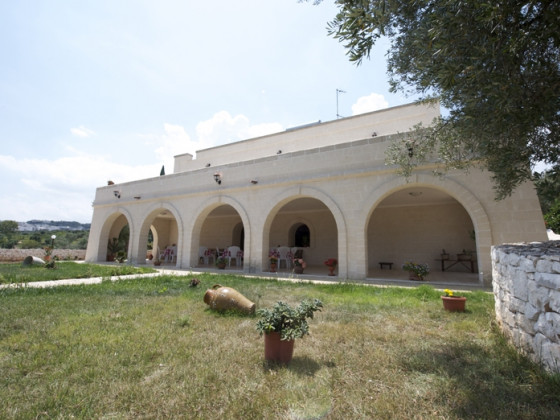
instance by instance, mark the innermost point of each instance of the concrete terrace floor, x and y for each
(456, 280)
(314, 274)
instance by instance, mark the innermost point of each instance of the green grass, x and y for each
(16, 273)
(151, 348)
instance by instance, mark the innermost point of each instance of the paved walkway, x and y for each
(382, 281)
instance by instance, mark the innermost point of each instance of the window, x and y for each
(302, 236)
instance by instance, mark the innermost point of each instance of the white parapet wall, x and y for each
(526, 282)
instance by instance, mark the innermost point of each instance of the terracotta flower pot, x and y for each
(276, 350)
(413, 276)
(454, 304)
(273, 267)
(331, 269)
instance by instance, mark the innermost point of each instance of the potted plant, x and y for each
(416, 271)
(299, 265)
(48, 252)
(273, 260)
(331, 264)
(452, 302)
(112, 249)
(157, 261)
(121, 256)
(221, 263)
(282, 324)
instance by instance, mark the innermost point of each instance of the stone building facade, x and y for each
(323, 188)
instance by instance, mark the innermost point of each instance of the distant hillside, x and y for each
(33, 225)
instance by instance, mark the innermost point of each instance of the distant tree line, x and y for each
(10, 237)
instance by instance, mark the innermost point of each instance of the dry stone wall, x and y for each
(17, 255)
(526, 283)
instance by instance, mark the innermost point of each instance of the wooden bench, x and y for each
(386, 264)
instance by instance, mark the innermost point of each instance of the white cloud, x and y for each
(64, 188)
(370, 103)
(82, 131)
(60, 189)
(222, 128)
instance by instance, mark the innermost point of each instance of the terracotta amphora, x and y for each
(225, 298)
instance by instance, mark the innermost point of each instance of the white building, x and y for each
(323, 188)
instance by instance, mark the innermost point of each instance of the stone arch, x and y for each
(105, 232)
(464, 197)
(201, 214)
(148, 219)
(294, 193)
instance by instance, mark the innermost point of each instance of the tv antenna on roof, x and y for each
(337, 92)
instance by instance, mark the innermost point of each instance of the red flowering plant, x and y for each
(331, 262)
(273, 256)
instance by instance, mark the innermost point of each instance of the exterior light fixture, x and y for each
(415, 193)
(279, 152)
(53, 237)
(218, 177)
(207, 165)
(374, 134)
(410, 148)
(117, 194)
(137, 197)
(254, 181)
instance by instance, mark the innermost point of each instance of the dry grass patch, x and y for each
(150, 348)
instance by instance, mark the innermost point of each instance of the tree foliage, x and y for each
(495, 65)
(552, 217)
(548, 187)
(7, 230)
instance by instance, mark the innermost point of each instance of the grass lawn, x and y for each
(151, 348)
(16, 273)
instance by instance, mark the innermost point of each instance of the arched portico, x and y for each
(111, 228)
(221, 222)
(316, 210)
(165, 220)
(447, 187)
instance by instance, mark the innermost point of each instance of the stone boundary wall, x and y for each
(17, 255)
(526, 283)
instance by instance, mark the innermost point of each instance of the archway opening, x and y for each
(118, 239)
(160, 238)
(222, 235)
(307, 227)
(421, 224)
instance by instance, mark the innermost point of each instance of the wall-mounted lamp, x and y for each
(207, 165)
(117, 194)
(410, 148)
(374, 134)
(279, 152)
(218, 177)
(137, 197)
(254, 181)
(415, 193)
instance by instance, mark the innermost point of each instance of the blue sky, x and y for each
(99, 90)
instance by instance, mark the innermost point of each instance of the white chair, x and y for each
(161, 255)
(285, 254)
(234, 252)
(202, 254)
